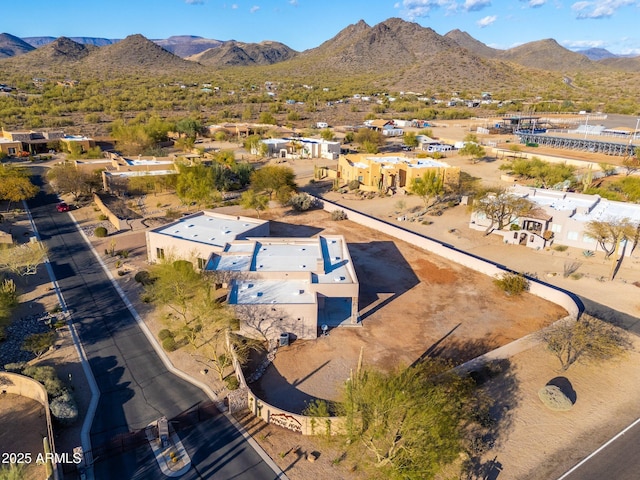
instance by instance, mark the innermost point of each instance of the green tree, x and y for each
(254, 143)
(410, 139)
(189, 127)
(501, 208)
(274, 179)
(15, 184)
(428, 186)
(587, 339)
(473, 150)
(410, 424)
(327, 134)
(370, 140)
(202, 184)
(267, 117)
(251, 200)
(196, 317)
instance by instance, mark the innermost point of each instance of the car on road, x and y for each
(63, 207)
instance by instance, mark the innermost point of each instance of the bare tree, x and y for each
(587, 339)
(23, 259)
(501, 208)
(610, 235)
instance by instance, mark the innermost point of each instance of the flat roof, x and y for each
(258, 292)
(586, 207)
(141, 173)
(323, 258)
(143, 162)
(210, 228)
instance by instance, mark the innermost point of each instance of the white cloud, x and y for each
(294, 2)
(254, 9)
(599, 9)
(234, 6)
(582, 44)
(194, 2)
(476, 5)
(486, 21)
(534, 3)
(413, 9)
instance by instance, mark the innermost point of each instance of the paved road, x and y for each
(135, 386)
(617, 461)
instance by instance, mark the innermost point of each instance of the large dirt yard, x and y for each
(412, 304)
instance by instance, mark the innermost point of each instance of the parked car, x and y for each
(62, 207)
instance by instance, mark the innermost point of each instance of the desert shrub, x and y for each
(302, 202)
(64, 409)
(172, 214)
(512, 283)
(353, 185)
(232, 382)
(143, 277)
(165, 333)
(338, 215)
(100, 232)
(15, 367)
(123, 253)
(47, 377)
(102, 217)
(554, 399)
(169, 344)
(122, 273)
(560, 248)
(38, 343)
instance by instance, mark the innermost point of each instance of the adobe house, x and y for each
(377, 172)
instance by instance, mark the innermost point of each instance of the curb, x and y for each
(167, 362)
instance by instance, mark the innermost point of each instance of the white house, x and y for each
(561, 219)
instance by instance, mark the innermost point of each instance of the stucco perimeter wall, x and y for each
(291, 421)
(115, 221)
(510, 155)
(450, 253)
(28, 387)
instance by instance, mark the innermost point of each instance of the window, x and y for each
(12, 151)
(160, 253)
(556, 227)
(202, 263)
(572, 236)
(588, 239)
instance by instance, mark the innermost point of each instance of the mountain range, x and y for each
(403, 53)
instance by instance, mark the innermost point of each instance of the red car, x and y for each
(62, 207)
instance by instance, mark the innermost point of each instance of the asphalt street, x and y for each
(616, 461)
(135, 386)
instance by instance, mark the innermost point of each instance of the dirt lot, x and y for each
(412, 304)
(23, 428)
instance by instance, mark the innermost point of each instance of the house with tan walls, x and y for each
(391, 171)
(10, 147)
(277, 286)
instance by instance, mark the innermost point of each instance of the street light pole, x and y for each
(586, 124)
(635, 132)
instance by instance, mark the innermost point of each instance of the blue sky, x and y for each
(303, 24)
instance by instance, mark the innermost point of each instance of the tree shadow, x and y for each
(565, 387)
(495, 398)
(497, 394)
